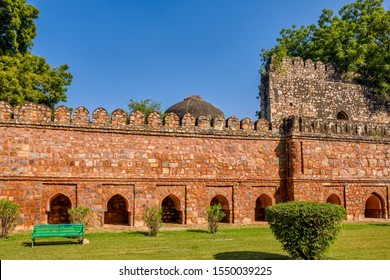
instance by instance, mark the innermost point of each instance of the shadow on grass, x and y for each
(381, 224)
(247, 255)
(50, 243)
(197, 231)
(139, 233)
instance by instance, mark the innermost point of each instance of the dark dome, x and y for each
(196, 106)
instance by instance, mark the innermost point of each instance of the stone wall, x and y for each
(299, 150)
(304, 88)
(351, 165)
(143, 161)
(345, 160)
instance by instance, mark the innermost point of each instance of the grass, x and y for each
(255, 242)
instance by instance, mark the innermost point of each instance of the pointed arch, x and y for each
(171, 207)
(375, 207)
(117, 211)
(334, 199)
(262, 202)
(342, 116)
(58, 209)
(220, 199)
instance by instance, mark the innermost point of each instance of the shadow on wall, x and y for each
(248, 255)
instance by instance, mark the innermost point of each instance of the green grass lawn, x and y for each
(355, 241)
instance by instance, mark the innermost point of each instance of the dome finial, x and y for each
(194, 96)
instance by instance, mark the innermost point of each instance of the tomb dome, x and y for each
(196, 106)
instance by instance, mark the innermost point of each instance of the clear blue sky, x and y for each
(166, 50)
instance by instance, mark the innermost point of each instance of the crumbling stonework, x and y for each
(118, 164)
(337, 137)
(310, 89)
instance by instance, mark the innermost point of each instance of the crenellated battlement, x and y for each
(308, 69)
(39, 114)
(314, 90)
(337, 127)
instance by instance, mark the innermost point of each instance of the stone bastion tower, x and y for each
(336, 137)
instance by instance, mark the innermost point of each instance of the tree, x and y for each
(152, 217)
(28, 78)
(214, 215)
(80, 215)
(9, 213)
(25, 77)
(305, 229)
(146, 106)
(356, 43)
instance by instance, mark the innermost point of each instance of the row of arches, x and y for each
(374, 206)
(117, 208)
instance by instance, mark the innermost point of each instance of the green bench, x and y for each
(58, 230)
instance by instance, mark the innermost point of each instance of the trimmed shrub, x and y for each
(152, 217)
(305, 229)
(214, 215)
(9, 213)
(80, 215)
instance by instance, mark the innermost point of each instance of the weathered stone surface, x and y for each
(299, 90)
(49, 163)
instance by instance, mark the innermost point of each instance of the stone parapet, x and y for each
(335, 127)
(38, 114)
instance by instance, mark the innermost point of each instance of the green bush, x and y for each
(80, 215)
(214, 215)
(9, 213)
(305, 229)
(152, 217)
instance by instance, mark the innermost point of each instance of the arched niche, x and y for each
(374, 207)
(171, 208)
(117, 213)
(342, 116)
(58, 211)
(262, 202)
(221, 200)
(334, 199)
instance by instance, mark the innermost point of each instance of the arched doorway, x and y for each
(58, 213)
(116, 213)
(334, 199)
(171, 210)
(342, 116)
(374, 207)
(220, 199)
(262, 202)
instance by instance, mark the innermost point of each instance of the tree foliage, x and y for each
(80, 215)
(356, 42)
(146, 106)
(9, 213)
(214, 215)
(25, 77)
(17, 27)
(305, 229)
(152, 217)
(28, 78)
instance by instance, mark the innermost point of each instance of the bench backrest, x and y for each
(59, 228)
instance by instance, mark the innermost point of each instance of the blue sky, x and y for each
(166, 50)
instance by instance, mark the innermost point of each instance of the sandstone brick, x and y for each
(49, 163)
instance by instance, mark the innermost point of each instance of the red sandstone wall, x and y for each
(46, 152)
(351, 169)
(90, 165)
